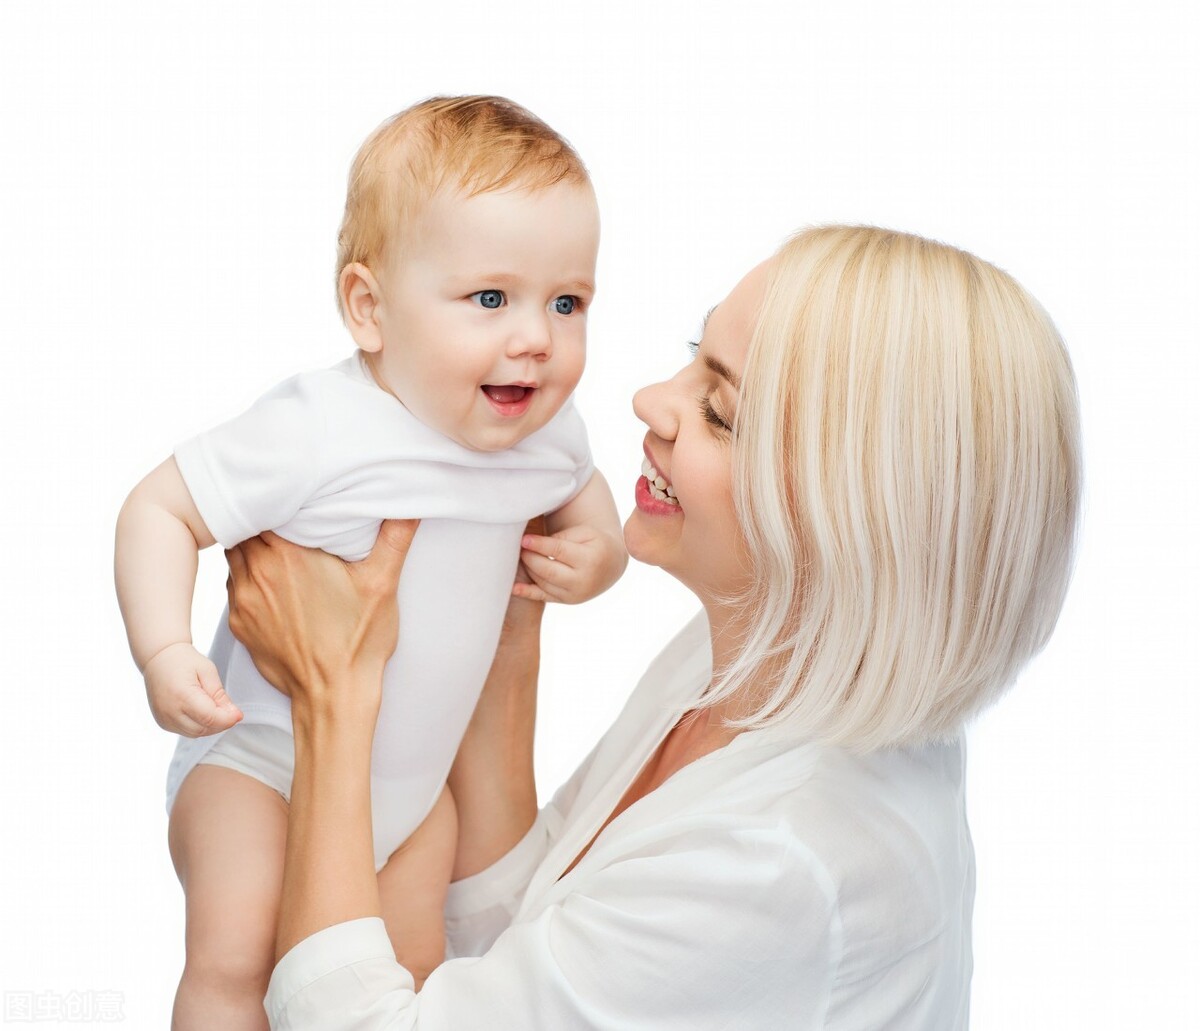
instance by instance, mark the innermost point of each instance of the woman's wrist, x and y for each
(346, 707)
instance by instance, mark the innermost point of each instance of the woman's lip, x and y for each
(512, 409)
(648, 503)
(650, 458)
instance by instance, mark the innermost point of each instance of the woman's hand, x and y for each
(311, 621)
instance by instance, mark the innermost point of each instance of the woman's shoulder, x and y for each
(874, 849)
(884, 838)
(899, 812)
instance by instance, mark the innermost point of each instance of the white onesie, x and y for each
(322, 459)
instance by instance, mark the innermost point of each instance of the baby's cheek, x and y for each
(575, 371)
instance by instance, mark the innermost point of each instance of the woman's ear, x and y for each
(361, 296)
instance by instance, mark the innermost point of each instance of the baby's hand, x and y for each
(573, 565)
(185, 693)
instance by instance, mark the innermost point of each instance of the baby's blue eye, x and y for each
(564, 305)
(488, 298)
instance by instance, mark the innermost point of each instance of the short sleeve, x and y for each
(255, 471)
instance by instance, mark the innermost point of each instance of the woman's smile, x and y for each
(684, 496)
(654, 494)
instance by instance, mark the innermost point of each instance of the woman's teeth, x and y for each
(659, 487)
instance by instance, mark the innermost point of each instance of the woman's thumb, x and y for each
(391, 546)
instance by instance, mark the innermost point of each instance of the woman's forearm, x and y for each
(322, 630)
(492, 777)
(329, 873)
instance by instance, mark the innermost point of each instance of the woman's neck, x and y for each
(728, 632)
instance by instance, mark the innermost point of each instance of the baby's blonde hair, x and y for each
(476, 144)
(907, 470)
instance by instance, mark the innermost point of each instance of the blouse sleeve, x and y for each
(720, 928)
(480, 907)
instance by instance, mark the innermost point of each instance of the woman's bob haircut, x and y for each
(907, 472)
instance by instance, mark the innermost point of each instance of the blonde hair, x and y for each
(476, 144)
(907, 473)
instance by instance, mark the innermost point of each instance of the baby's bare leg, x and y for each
(227, 835)
(412, 890)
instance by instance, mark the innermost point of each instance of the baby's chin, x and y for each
(500, 438)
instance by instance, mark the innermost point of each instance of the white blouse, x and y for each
(769, 884)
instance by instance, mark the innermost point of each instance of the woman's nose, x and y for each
(655, 406)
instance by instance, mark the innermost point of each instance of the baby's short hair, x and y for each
(476, 144)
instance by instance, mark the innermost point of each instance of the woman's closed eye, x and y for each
(711, 415)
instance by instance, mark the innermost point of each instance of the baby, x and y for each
(466, 264)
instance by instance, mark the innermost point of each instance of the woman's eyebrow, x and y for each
(723, 370)
(715, 364)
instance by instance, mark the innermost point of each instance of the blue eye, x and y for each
(488, 298)
(565, 305)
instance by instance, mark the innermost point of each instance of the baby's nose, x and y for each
(532, 336)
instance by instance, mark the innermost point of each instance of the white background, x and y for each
(172, 182)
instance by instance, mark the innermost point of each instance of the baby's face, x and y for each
(483, 312)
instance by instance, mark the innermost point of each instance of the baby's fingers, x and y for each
(553, 549)
(213, 710)
(200, 715)
(549, 574)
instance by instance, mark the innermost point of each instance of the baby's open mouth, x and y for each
(506, 394)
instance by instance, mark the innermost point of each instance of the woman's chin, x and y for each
(638, 542)
(648, 547)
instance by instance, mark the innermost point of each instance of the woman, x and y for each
(874, 464)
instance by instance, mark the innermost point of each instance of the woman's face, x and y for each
(693, 532)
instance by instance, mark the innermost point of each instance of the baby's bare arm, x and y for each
(159, 536)
(593, 506)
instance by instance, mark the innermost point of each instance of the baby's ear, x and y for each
(360, 295)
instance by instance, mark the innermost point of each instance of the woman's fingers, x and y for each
(236, 562)
(529, 591)
(391, 548)
(237, 581)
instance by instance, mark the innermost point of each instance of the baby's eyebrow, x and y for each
(582, 285)
(512, 280)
